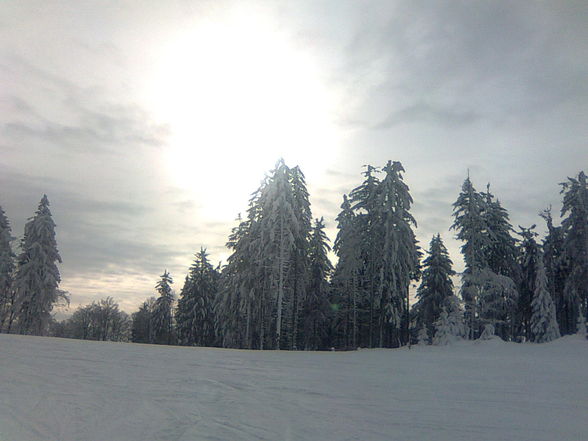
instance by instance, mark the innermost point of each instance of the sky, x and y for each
(149, 124)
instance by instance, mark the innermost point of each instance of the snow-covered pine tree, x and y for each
(501, 252)
(449, 327)
(345, 293)
(544, 326)
(279, 228)
(37, 277)
(488, 332)
(443, 335)
(195, 316)
(364, 202)
(472, 229)
(400, 256)
(574, 213)
(530, 254)
(316, 305)
(557, 269)
(423, 336)
(261, 282)
(235, 314)
(436, 286)
(299, 267)
(6, 270)
(162, 317)
(497, 300)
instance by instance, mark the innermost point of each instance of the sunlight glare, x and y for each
(238, 96)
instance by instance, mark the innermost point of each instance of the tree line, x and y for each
(279, 289)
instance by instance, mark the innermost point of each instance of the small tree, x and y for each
(544, 326)
(423, 337)
(161, 317)
(196, 315)
(436, 286)
(449, 327)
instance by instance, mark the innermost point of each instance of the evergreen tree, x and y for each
(388, 253)
(423, 336)
(400, 256)
(161, 326)
(436, 286)
(574, 213)
(488, 282)
(37, 277)
(364, 202)
(316, 303)
(530, 254)
(544, 326)
(449, 327)
(299, 267)
(497, 300)
(501, 252)
(557, 269)
(266, 275)
(279, 227)
(6, 270)
(472, 229)
(235, 309)
(195, 316)
(346, 278)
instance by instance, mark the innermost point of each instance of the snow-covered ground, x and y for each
(56, 389)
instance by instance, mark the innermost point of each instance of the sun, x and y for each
(238, 94)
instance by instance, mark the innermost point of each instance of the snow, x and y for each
(57, 389)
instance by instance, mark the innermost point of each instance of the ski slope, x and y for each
(66, 390)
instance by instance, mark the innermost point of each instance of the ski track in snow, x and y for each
(66, 390)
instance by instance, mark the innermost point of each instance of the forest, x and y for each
(279, 288)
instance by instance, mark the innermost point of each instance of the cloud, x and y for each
(425, 113)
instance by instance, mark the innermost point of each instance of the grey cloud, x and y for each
(500, 60)
(422, 112)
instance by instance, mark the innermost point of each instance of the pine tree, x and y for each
(400, 255)
(299, 266)
(449, 327)
(530, 254)
(488, 332)
(574, 213)
(557, 270)
(364, 202)
(472, 229)
(423, 336)
(265, 276)
(37, 277)
(161, 326)
(279, 228)
(501, 252)
(544, 326)
(196, 315)
(316, 302)
(6, 270)
(436, 286)
(497, 300)
(235, 310)
(346, 278)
